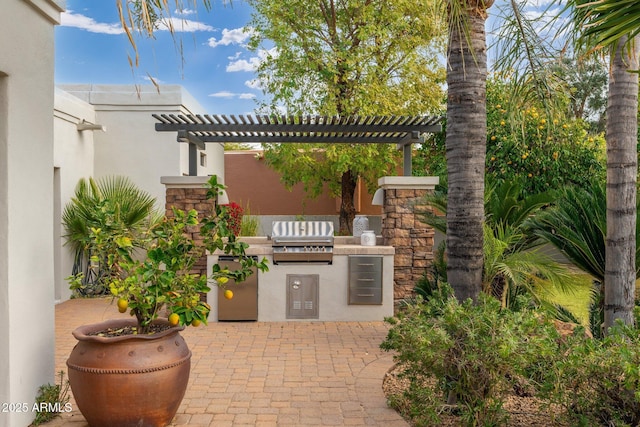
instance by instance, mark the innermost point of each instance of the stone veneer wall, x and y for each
(188, 193)
(402, 228)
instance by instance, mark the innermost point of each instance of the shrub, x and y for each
(473, 353)
(544, 152)
(51, 400)
(250, 223)
(598, 381)
(235, 214)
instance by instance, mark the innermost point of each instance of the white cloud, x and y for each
(154, 80)
(70, 19)
(243, 65)
(251, 64)
(223, 94)
(184, 12)
(253, 84)
(230, 95)
(235, 36)
(181, 25)
(75, 20)
(539, 3)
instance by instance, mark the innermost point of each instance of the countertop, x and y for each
(343, 245)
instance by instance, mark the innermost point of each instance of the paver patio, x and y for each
(264, 373)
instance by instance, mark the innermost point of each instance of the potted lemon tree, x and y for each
(134, 372)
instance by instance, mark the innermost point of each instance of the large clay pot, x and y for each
(131, 380)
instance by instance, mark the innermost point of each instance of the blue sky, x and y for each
(91, 47)
(217, 69)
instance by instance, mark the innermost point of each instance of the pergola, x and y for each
(197, 130)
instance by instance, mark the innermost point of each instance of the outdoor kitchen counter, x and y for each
(332, 299)
(343, 245)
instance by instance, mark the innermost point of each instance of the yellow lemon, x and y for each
(228, 294)
(174, 319)
(122, 305)
(195, 323)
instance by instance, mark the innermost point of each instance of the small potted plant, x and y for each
(135, 371)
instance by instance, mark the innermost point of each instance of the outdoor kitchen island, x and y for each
(357, 284)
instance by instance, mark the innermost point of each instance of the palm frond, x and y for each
(606, 22)
(576, 226)
(505, 271)
(524, 54)
(114, 203)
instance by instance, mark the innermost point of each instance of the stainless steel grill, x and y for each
(302, 242)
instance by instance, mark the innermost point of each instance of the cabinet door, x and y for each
(365, 280)
(302, 296)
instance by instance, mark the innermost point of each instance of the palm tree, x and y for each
(510, 270)
(505, 204)
(466, 144)
(610, 21)
(109, 203)
(576, 226)
(622, 169)
(615, 26)
(512, 262)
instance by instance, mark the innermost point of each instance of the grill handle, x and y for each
(300, 241)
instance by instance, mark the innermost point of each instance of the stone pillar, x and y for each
(186, 193)
(403, 229)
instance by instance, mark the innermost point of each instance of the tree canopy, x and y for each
(346, 58)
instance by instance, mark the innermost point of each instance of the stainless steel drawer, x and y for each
(365, 280)
(359, 263)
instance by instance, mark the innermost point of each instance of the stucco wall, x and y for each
(26, 219)
(73, 160)
(131, 146)
(250, 180)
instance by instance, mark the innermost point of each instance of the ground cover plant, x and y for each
(474, 364)
(597, 381)
(51, 400)
(466, 357)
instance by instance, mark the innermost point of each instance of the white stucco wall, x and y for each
(131, 146)
(26, 202)
(73, 160)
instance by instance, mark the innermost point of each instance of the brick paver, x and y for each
(265, 373)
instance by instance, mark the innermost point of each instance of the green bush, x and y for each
(544, 152)
(51, 400)
(597, 382)
(547, 153)
(474, 354)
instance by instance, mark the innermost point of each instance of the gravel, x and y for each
(524, 411)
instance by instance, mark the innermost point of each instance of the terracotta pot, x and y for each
(132, 380)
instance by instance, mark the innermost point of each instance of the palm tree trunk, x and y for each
(466, 147)
(622, 168)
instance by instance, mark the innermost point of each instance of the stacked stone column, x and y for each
(186, 193)
(403, 229)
